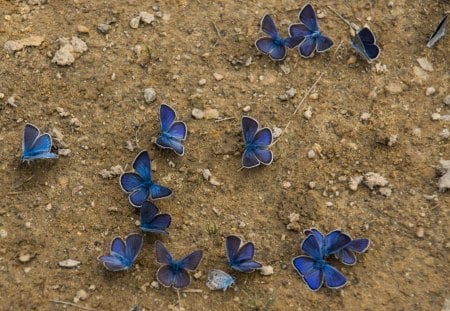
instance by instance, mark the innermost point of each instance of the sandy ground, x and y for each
(51, 211)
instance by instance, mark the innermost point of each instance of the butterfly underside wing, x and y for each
(219, 280)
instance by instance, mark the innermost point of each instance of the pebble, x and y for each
(149, 95)
(134, 22)
(3, 233)
(354, 182)
(11, 101)
(329, 204)
(445, 134)
(146, 17)
(103, 28)
(65, 56)
(420, 233)
(447, 100)
(291, 92)
(202, 82)
(246, 108)
(2, 95)
(394, 88)
(314, 96)
(293, 217)
(373, 180)
(81, 295)
(82, 29)
(311, 154)
(276, 132)
(421, 75)
(198, 113)
(28, 225)
(312, 185)
(154, 284)
(444, 169)
(430, 91)
(198, 274)
(112, 172)
(308, 113)
(266, 270)
(385, 191)
(286, 184)
(48, 207)
(69, 263)
(365, 116)
(211, 113)
(351, 60)
(64, 152)
(14, 46)
(24, 257)
(425, 64)
(218, 76)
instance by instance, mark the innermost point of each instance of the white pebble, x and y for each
(266, 270)
(202, 82)
(149, 95)
(365, 116)
(446, 100)
(147, 17)
(286, 184)
(246, 108)
(276, 132)
(134, 22)
(217, 76)
(69, 263)
(329, 204)
(308, 113)
(198, 113)
(311, 154)
(430, 91)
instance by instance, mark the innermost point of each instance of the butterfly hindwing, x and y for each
(173, 133)
(35, 145)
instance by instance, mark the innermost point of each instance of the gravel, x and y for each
(149, 95)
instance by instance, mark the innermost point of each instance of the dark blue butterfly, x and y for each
(173, 133)
(153, 222)
(175, 272)
(241, 258)
(257, 143)
(123, 254)
(36, 145)
(274, 45)
(313, 268)
(219, 280)
(346, 254)
(365, 44)
(140, 185)
(308, 31)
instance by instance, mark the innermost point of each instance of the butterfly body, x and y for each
(139, 184)
(123, 253)
(257, 143)
(307, 31)
(364, 43)
(173, 133)
(219, 280)
(36, 145)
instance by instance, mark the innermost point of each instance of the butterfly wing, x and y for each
(163, 256)
(346, 256)
(169, 277)
(268, 26)
(244, 259)
(166, 142)
(167, 116)
(359, 245)
(118, 247)
(334, 241)
(159, 192)
(304, 266)
(139, 196)
(130, 182)
(191, 261)
(308, 17)
(333, 277)
(269, 46)
(113, 263)
(311, 247)
(232, 245)
(249, 159)
(219, 280)
(365, 43)
(249, 128)
(323, 44)
(263, 137)
(30, 134)
(316, 233)
(133, 244)
(439, 32)
(142, 166)
(39, 148)
(307, 47)
(299, 31)
(151, 222)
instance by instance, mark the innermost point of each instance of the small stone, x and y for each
(69, 263)
(351, 60)
(28, 225)
(24, 257)
(421, 75)
(276, 132)
(198, 113)
(206, 173)
(82, 29)
(430, 91)
(213, 181)
(311, 154)
(314, 96)
(146, 17)
(283, 97)
(312, 185)
(266, 270)
(445, 134)
(198, 274)
(64, 152)
(134, 22)
(373, 180)
(291, 92)
(365, 116)
(286, 184)
(329, 204)
(435, 116)
(75, 122)
(103, 28)
(14, 46)
(149, 95)
(79, 46)
(11, 101)
(246, 108)
(447, 100)
(218, 76)
(385, 191)
(48, 207)
(444, 170)
(202, 82)
(392, 140)
(154, 284)
(293, 217)
(2, 95)
(425, 64)
(308, 113)
(354, 182)
(420, 233)
(211, 113)
(3, 233)
(81, 295)
(394, 88)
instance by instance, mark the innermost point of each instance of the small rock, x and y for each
(286, 184)
(149, 95)
(392, 140)
(211, 113)
(198, 113)
(82, 29)
(112, 172)
(373, 180)
(206, 173)
(218, 76)
(69, 263)
(430, 91)
(3, 233)
(435, 116)
(394, 88)
(311, 154)
(75, 122)
(420, 233)
(2, 95)
(312, 185)
(154, 284)
(354, 182)
(365, 116)
(246, 108)
(213, 181)
(445, 134)
(421, 75)
(103, 28)
(64, 152)
(24, 257)
(79, 46)
(291, 92)
(134, 22)
(425, 64)
(202, 82)
(283, 97)
(198, 274)
(276, 132)
(48, 207)
(308, 113)
(329, 204)
(81, 295)
(146, 17)
(314, 96)
(14, 46)
(447, 100)
(266, 270)
(444, 170)
(385, 191)
(351, 60)
(11, 101)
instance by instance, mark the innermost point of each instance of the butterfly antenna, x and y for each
(311, 88)
(351, 25)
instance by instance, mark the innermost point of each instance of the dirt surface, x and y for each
(56, 210)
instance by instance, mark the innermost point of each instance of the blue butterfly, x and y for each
(175, 272)
(173, 133)
(123, 254)
(36, 145)
(346, 254)
(153, 222)
(219, 280)
(313, 268)
(365, 44)
(140, 185)
(308, 31)
(257, 143)
(274, 45)
(241, 258)
(439, 32)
